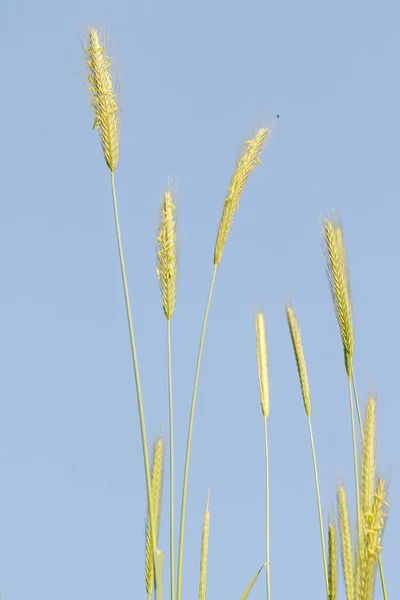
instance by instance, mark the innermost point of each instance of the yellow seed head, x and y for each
(299, 355)
(204, 551)
(249, 158)
(336, 267)
(347, 550)
(157, 477)
(167, 254)
(370, 548)
(369, 457)
(104, 104)
(332, 562)
(262, 362)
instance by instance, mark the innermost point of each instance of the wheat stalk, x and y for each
(157, 478)
(167, 254)
(104, 103)
(262, 362)
(332, 561)
(204, 551)
(249, 158)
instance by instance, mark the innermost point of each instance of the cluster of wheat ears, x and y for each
(360, 551)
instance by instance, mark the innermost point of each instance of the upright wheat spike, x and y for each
(107, 122)
(167, 254)
(332, 561)
(104, 103)
(305, 390)
(347, 547)
(336, 267)
(368, 472)
(167, 275)
(204, 551)
(369, 551)
(249, 158)
(244, 166)
(263, 378)
(157, 478)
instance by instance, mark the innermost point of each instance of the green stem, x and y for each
(321, 525)
(267, 536)
(381, 573)
(353, 435)
(189, 440)
(171, 466)
(135, 366)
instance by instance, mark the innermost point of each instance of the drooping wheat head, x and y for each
(338, 275)
(167, 254)
(299, 355)
(332, 561)
(347, 546)
(262, 362)
(371, 546)
(204, 551)
(104, 103)
(157, 478)
(249, 158)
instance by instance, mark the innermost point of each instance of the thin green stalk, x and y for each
(353, 434)
(189, 440)
(381, 573)
(267, 536)
(321, 525)
(171, 468)
(136, 371)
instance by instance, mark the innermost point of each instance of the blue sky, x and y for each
(196, 79)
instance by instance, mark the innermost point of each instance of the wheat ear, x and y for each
(249, 158)
(263, 379)
(157, 478)
(167, 276)
(245, 165)
(107, 122)
(332, 561)
(104, 103)
(204, 551)
(305, 390)
(347, 547)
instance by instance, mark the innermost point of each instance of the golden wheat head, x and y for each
(249, 158)
(347, 547)
(157, 478)
(104, 104)
(369, 457)
(371, 545)
(262, 362)
(299, 355)
(338, 275)
(167, 254)
(204, 551)
(332, 562)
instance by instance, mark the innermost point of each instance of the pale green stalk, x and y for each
(267, 536)
(321, 525)
(189, 439)
(171, 467)
(137, 380)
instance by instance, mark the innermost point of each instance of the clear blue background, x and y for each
(196, 79)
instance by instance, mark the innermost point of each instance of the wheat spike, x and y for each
(249, 158)
(338, 275)
(299, 355)
(332, 561)
(262, 362)
(347, 550)
(369, 458)
(167, 254)
(157, 478)
(369, 550)
(204, 551)
(104, 104)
